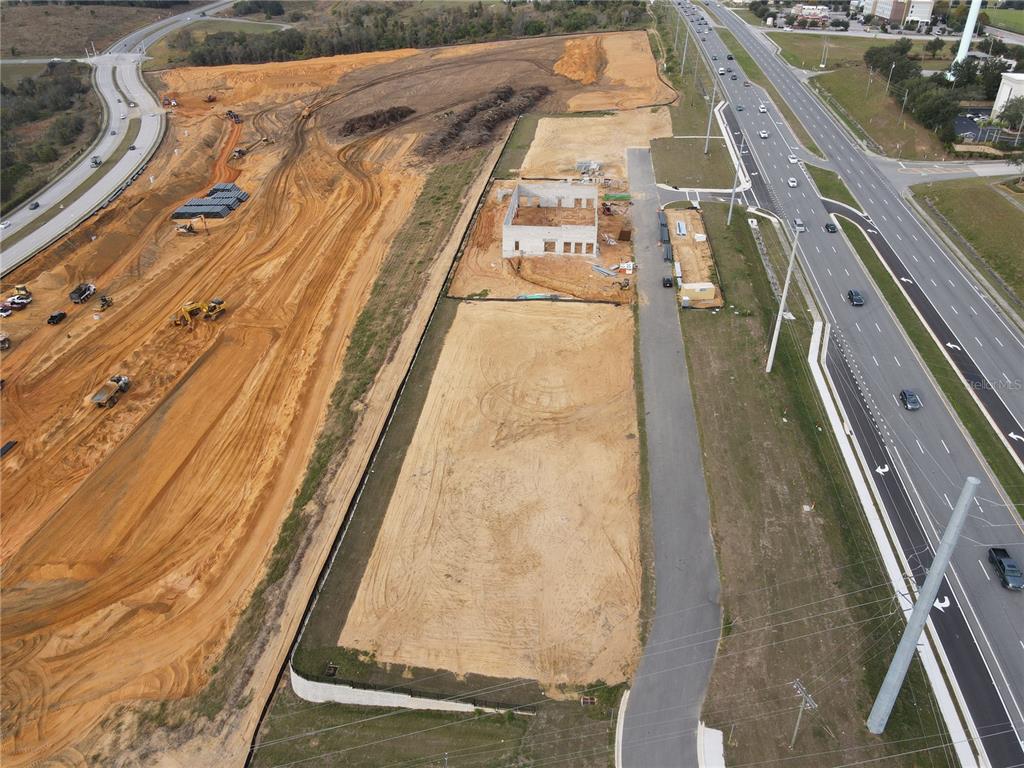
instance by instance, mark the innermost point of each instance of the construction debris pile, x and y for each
(221, 200)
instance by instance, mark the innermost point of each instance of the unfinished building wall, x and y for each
(567, 239)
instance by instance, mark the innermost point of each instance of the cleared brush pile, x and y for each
(474, 126)
(373, 121)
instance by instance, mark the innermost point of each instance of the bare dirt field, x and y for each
(484, 273)
(137, 534)
(561, 141)
(510, 545)
(628, 72)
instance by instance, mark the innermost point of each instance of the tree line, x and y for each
(366, 26)
(56, 92)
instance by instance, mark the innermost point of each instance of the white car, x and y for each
(4, 224)
(763, 134)
(791, 182)
(762, 109)
(19, 301)
(123, 115)
(792, 159)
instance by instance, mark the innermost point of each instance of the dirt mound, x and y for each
(511, 543)
(630, 77)
(583, 60)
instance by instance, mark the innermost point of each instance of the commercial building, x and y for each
(1011, 86)
(549, 218)
(900, 12)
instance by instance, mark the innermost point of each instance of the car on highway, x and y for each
(831, 228)
(763, 134)
(739, 107)
(791, 182)
(855, 297)
(4, 224)
(1006, 567)
(721, 70)
(732, 77)
(131, 147)
(123, 115)
(792, 158)
(56, 318)
(729, 57)
(746, 83)
(113, 133)
(910, 399)
(34, 206)
(714, 58)
(762, 108)
(798, 225)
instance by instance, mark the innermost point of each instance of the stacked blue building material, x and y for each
(221, 200)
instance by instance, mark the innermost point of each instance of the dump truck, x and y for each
(106, 396)
(1006, 568)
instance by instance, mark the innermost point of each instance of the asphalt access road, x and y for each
(660, 729)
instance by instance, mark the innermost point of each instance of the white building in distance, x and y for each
(550, 218)
(1012, 85)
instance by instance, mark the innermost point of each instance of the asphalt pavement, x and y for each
(926, 451)
(660, 729)
(83, 190)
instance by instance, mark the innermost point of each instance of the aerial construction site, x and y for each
(180, 530)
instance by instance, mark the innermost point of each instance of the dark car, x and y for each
(56, 317)
(910, 399)
(729, 57)
(131, 147)
(666, 282)
(830, 227)
(34, 205)
(732, 77)
(739, 107)
(855, 297)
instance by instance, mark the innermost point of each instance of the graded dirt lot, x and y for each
(629, 73)
(137, 534)
(483, 272)
(562, 141)
(510, 545)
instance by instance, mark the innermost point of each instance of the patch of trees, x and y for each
(375, 120)
(374, 26)
(474, 126)
(55, 92)
(267, 7)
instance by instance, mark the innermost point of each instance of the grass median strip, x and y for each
(830, 185)
(788, 532)
(949, 380)
(754, 73)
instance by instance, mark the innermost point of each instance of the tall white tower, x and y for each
(965, 41)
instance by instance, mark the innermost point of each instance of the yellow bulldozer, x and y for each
(210, 310)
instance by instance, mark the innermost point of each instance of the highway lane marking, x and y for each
(914, 237)
(985, 571)
(878, 327)
(971, 307)
(944, 444)
(954, 309)
(829, 271)
(897, 361)
(876, 364)
(899, 218)
(919, 446)
(857, 326)
(897, 235)
(947, 500)
(932, 258)
(951, 282)
(846, 271)
(933, 282)
(913, 257)
(979, 341)
(998, 341)
(1006, 377)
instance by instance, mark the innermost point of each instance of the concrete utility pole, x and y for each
(711, 112)
(925, 599)
(782, 305)
(736, 180)
(889, 79)
(686, 47)
(806, 702)
(675, 43)
(965, 40)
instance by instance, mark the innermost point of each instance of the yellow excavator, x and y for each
(189, 227)
(210, 310)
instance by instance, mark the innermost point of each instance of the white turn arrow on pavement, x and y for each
(942, 603)
(1015, 436)
(882, 470)
(906, 280)
(951, 345)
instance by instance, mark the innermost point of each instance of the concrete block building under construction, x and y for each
(550, 218)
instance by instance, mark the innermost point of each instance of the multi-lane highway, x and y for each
(133, 127)
(920, 457)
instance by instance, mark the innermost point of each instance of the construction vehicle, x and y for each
(5, 342)
(82, 293)
(210, 310)
(189, 227)
(105, 302)
(233, 116)
(22, 290)
(210, 98)
(106, 396)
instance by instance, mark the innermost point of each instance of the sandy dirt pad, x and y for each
(137, 533)
(630, 78)
(694, 255)
(510, 546)
(562, 141)
(483, 272)
(583, 60)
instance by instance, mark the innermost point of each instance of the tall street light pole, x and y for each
(889, 79)
(925, 599)
(782, 305)
(736, 180)
(711, 112)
